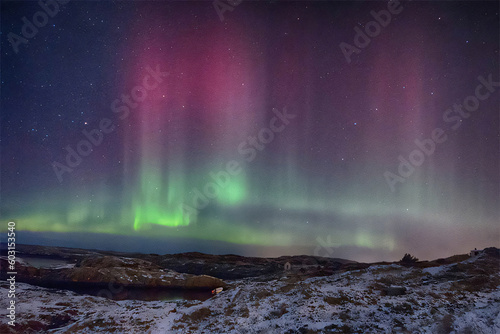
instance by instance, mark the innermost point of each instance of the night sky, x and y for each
(257, 128)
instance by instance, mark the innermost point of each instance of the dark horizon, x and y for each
(136, 245)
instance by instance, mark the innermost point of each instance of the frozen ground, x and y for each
(453, 298)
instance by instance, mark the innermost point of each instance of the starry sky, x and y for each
(258, 128)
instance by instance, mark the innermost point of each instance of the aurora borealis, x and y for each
(252, 135)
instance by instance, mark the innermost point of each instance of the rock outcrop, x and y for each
(103, 270)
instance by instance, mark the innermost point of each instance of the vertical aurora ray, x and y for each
(169, 133)
(155, 204)
(160, 187)
(158, 183)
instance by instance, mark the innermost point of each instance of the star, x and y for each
(256, 121)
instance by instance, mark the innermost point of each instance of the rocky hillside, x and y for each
(105, 270)
(453, 295)
(220, 266)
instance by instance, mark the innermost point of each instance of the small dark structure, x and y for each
(475, 252)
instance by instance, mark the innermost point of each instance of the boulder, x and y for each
(203, 281)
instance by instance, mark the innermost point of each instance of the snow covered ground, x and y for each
(453, 298)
